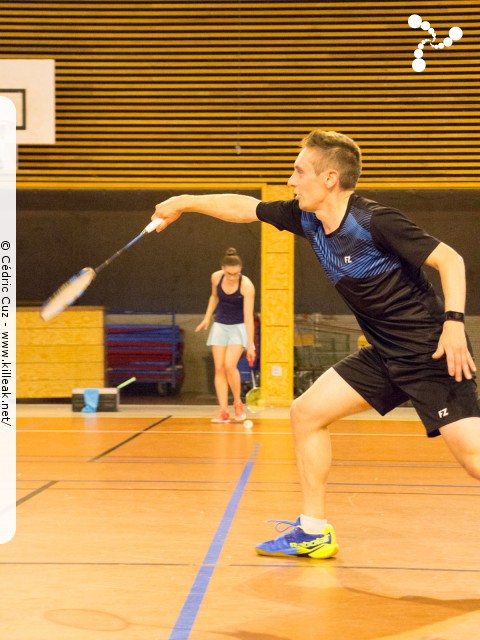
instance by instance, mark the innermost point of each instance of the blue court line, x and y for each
(189, 612)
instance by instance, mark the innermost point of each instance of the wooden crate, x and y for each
(56, 356)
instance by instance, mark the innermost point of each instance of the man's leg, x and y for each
(328, 399)
(463, 439)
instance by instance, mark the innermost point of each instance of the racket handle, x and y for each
(124, 384)
(151, 226)
(251, 362)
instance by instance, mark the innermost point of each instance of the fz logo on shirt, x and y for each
(348, 259)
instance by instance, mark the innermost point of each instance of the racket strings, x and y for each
(71, 290)
(65, 295)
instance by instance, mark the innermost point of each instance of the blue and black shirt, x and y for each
(374, 260)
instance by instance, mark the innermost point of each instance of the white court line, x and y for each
(242, 432)
(189, 411)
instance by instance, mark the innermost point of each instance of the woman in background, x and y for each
(232, 300)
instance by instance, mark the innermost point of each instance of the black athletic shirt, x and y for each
(230, 305)
(374, 260)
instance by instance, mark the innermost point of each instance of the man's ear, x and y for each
(331, 179)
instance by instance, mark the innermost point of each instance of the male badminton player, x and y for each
(419, 351)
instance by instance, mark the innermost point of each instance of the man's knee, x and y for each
(304, 413)
(463, 440)
(472, 467)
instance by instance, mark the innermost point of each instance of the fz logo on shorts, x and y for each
(443, 413)
(348, 259)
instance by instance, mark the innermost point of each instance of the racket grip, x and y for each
(124, 384)
(151, 226)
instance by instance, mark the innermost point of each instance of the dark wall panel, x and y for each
(60, 232)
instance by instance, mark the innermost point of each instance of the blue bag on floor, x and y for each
(90, 397)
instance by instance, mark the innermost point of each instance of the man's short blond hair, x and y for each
(337, 151)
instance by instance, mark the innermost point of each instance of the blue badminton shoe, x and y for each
(298, 543)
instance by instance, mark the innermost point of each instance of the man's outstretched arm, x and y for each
(230, 207)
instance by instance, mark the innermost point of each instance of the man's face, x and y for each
(309, 187)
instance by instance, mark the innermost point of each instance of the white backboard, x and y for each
(30, 85)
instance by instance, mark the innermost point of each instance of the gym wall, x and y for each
(61, 231)
(158, 97)
(217, 93)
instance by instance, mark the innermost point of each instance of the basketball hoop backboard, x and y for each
(30, 85)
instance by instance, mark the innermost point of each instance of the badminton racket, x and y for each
(253, 397)
(71, 290)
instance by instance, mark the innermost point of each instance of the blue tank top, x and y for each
(230, 305)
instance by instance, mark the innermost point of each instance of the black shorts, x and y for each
(385, 384)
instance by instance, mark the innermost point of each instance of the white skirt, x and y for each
(223, 335)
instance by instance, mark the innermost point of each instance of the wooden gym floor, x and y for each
(141, 525)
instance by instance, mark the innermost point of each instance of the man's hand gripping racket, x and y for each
(71, 290)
